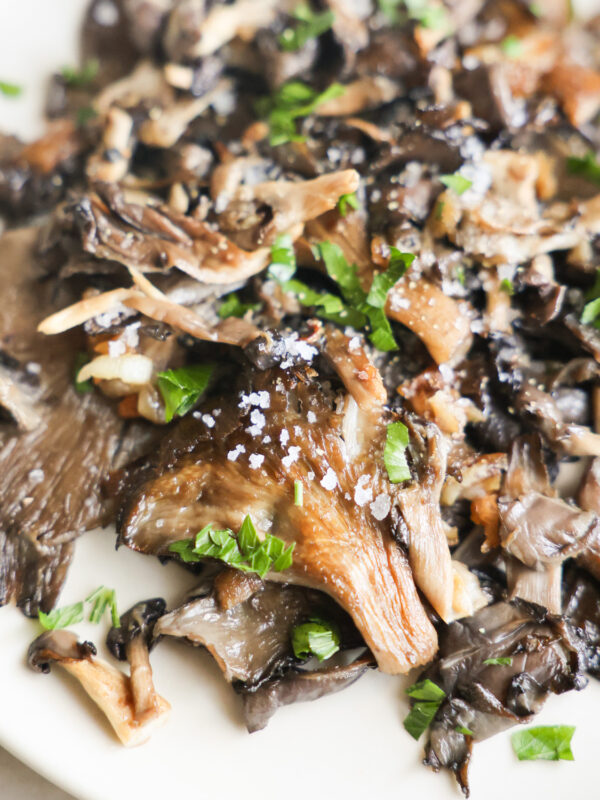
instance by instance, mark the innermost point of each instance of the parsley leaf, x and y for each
(293, 100)
(398, 264)
(61, 617)
(506, 286)
(81, 77)
(347, 201)
(424, 12)
(10, 89)
(587, 166)
(181, 388)
(101, 599)
(394, 456)
(457, 182)
(298, 493)
(317, 637)
(464, 731)
(591, 310)
(245, 552)
(310, 25)
(499, 662)
(232, 306)
(85, 115)
(283, 259)
(511, 46)
(429, 697)
(547, 742)
(81, 359)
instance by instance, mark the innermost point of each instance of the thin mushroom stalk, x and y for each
(131, 641)
(108, 687)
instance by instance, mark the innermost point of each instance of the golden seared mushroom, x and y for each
(246, 452)
(131, 642)
(108, 687)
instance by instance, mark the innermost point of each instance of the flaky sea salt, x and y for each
(256, 459)
(208, 420)
(329, 480)
(311, 417)
(284, 437)
(233, 454)
(380, 507)
(293, 453)
(363, 493)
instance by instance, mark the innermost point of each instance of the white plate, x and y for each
(350, 744)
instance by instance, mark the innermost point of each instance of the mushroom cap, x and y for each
(57, 646)
(137, 621)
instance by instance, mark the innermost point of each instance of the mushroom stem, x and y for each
(146, 701)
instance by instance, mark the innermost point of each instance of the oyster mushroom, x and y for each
(108, 687)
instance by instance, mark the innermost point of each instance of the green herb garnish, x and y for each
(398, 264)
(464, 731)
(310, 25)
(347, 201)
(511, 46)
(61, 617)
(181, 388)
(591, 310)
(245, 551)
(507, 286)
(283, 259)
(293, 100)
(457, 182)
(298, 493)
(428, 14)
(85, 115)
(317, 637)
(587, 166)
(394, 455)
(101, 599)
(503, 661)
(428, 696)
(232, 306)
(81, 77)
(460, 274)
(546, 742)
(355, 308)
(10, 89)
(81, 359)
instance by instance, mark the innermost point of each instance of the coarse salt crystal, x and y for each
(233, 454)
(329, 480)
(208, 420)
(380, 507)
(284, 437)
(256, 459)
(293, 453)
(363, 493)
(311, 417)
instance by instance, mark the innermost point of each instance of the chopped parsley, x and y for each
(546, 742)
(394, 455)
(293, 100)
(424, 12)
(428, 698)
(511, 46)
(356, 307)
(347, 201)
(81, 77)
(460, 274)
(309, 25)
(10, 89)
(245, 551)
(398, 264)
(283, 259)
(587, 166)
(507, 286)
(61, 617)
(317, 637)
(298, 493)
(232, 306)
(101, 599)
(457, 182)
(464, 731)
(85, 115)
(591, 310)
(503, 661)
(82, 387)
(181, 388)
